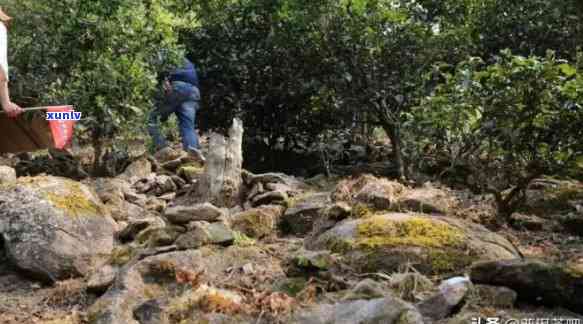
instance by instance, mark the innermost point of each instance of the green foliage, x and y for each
(527, 27)
(508, 122)
(100, 56)
(304, 73)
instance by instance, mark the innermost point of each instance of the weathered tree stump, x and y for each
(222, 182)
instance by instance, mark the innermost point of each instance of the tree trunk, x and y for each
(222, 180)
(395, 137)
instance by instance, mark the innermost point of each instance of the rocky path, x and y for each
(154, 246)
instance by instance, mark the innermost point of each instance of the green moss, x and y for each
(254, 224)
(190, 171)
(379, 231)
(315, 260)
(291, 286)
(407, 317)
(338, 245)
(362, 211)
(448, 261)
(122, 255)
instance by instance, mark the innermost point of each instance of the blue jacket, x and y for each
(186, 73)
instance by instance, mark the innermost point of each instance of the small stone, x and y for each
(164, 184)
(248, 269)
(300, 217)
(168, 197)
(135, 226)
(172, 165)
(102, 279)
(136, 198)
(270, 198)
(204, 233)
(186, 214)
(441, 305)
(256, 190)
(155, 204)
(280, 187)
(140, 168)
(528, 222)
(168, 154)
(159, 236)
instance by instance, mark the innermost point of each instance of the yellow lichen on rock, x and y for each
(74, 204)
(362, 211)
(379, 231)
(66, 195)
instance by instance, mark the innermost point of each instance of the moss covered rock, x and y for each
(258, 222)
(431, 244)
(54, 228)
(191, 171)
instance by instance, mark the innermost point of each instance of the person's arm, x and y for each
(11, 109)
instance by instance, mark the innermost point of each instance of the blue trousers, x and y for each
(184, 101)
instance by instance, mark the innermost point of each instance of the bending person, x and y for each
(181, 96)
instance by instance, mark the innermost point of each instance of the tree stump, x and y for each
(222, 179)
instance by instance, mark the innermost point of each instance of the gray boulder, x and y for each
(434, 244)
(534, 281)
(54, 228)
(388, 310)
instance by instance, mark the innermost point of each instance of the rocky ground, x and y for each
(151, 246)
